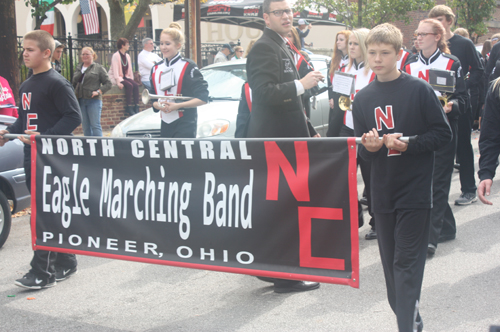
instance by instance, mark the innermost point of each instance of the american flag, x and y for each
(90, 17)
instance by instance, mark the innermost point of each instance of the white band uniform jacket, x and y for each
(189, 82)
(419, 67)
(362, 79)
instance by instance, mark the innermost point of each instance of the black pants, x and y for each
(465, 154)
(131, 91)
(184, 127)
(402, 239)
(44, 263)
(444, 159)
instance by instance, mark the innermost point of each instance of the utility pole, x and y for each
(192, 15)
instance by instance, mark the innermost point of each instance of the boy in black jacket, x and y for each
(48, 107)
(393, 105)
(489, 142)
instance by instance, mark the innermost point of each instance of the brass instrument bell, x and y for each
(444, 100)
(344, 103)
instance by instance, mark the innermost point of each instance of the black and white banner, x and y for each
(280, 208)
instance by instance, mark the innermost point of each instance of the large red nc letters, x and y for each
(299, 186)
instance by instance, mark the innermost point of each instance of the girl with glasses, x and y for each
(434, 54)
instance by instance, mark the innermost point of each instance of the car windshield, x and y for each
(225, 81)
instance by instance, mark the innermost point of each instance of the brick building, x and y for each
(416, 16)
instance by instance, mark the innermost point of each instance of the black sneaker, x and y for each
(31, 281)
(64, 273)
(466, 199)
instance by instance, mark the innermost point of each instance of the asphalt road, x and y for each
(461, 290)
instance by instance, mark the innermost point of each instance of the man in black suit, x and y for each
(277, 109)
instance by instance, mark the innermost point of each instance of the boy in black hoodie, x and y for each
(397, 104)
(49, 107)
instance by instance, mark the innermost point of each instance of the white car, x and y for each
(14, 194)
(217, 119)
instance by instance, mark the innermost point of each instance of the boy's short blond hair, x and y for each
(43, 39)
(442, 10)
(385, 34)
(462, 32)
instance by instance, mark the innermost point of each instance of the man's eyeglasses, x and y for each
(240, 51)
(424, 34)
(279, 13)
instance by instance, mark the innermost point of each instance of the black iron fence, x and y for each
(104, 50)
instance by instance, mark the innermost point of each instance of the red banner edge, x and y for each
(353, 200)
(33, 191)
(251, 272)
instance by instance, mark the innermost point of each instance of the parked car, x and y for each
(217, 119)
(14, 195)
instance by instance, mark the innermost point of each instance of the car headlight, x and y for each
(117, 132)
(213, 128)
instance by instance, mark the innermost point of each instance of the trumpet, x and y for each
(344, 103)
(146, 97)
(443, 100)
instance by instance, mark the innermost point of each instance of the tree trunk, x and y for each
(117, 19)
(38, 19)
(135, 19)
(8, 45)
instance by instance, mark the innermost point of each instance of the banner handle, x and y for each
(406, 139)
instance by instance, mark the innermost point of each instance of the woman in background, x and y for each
(121, 75)
(91, 81)
(238, 53)
(249, 47)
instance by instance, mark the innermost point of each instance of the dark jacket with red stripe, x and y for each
(244, 110)
(277, 111)
(419, 67)
(304, 67)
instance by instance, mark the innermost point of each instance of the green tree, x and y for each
(118, 27)
(368, 13)
(39, 8)
(472, 14)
